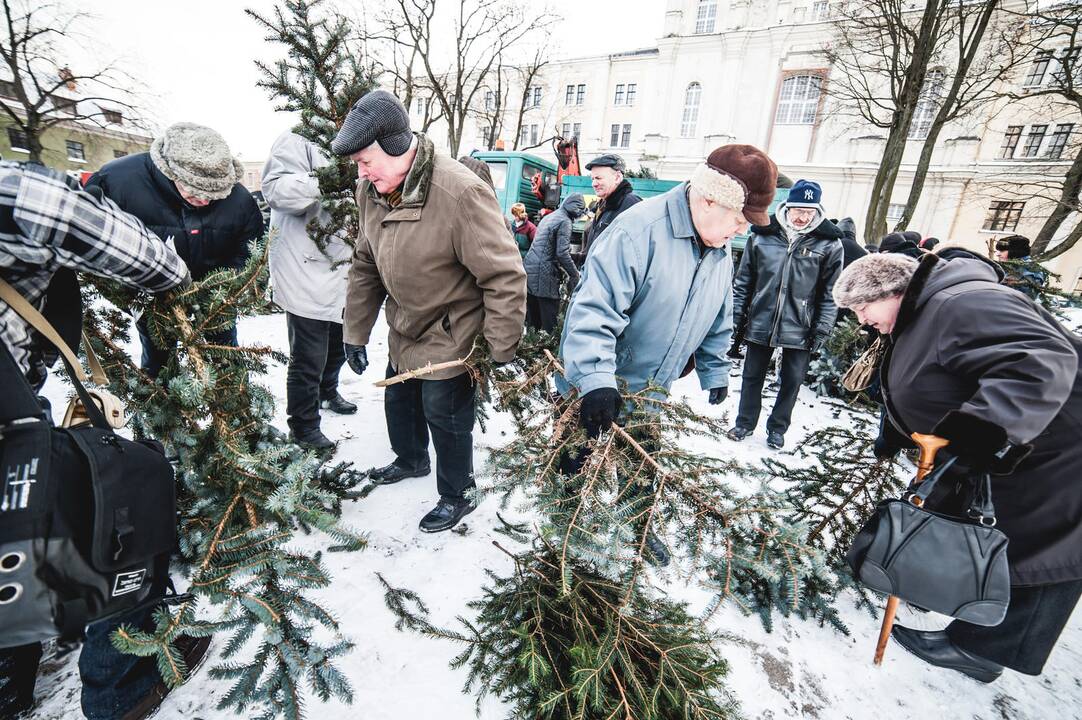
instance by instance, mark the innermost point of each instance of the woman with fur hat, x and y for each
(974, 362)
(187, 190)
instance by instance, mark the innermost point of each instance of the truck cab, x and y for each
(512, 177)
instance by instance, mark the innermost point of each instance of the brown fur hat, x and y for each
(738, 177)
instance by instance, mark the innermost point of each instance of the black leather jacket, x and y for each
(782, 292)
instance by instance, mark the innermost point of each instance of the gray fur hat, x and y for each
(873, 277)
(198, 158)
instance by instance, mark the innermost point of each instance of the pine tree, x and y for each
(583, 584)
(324, 73)
(844, 345)
(243, 492)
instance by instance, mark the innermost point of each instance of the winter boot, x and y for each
(446, 514)
(338, 405)
(194, 651)
(395, 472)
(737, 433)
(314, 440)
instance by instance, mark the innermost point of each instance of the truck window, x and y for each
(499, 175)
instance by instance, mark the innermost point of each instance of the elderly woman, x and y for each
(981, 365)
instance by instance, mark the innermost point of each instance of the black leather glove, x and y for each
(980, 444)
(734, 349)
(356, 356)
(718, 395)
(883, 448)
(599, 409)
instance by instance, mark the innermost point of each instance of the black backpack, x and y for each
(87, 518)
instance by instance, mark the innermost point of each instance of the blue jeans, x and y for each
(112, 681)
(154, 357)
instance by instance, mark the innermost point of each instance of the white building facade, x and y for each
(754, 72)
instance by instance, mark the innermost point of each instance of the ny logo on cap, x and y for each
(809, 194)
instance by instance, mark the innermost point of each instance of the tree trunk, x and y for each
(875, 223)
(1067, 243)
(1065, 205)
(33, 139)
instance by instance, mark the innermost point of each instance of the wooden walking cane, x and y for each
(929, 445)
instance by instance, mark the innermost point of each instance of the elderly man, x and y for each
(783, 300)
(434, 244)
(614, 197)
(187, 190)
(656, 290)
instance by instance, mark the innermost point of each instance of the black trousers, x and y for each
(443, 409)
(155, 357)
(315, 358)
(794, 363)
(1024, 640)
(541, 312)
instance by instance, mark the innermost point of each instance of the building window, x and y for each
(533, 134)
(580, 95)
(705, 16)
(18, 139)
(630, 99)
(569, 95)
(1034, 140)
(614, 136)
(576, 131)
(625, 137)
(7, 88)
(76, 151)
(820, 10)
(1068, 71)
(798, 102)
(1010, 142)
(1058, 141)
(119, 153)
(690, 119)
(1004, 215)
(1038, 70)
(490, 100)
(927, 105)
(64, 105)
(113, 116)
(565, 131)
(486, 137)
(419, 106)
(535, 96)
(799, 14)
(619, 99)
(895, 211)
(523, 136)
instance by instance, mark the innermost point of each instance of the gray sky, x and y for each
(196, 57)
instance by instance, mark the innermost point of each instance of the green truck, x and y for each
(513, 177)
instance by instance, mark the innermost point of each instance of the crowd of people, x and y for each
(651, 295)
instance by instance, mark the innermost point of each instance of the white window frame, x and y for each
(794, 109)
(706, 16)
(629, 98)
(927, 104)
(618, 98)
(689, 119)
(820, 10)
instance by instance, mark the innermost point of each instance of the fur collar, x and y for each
(419, 178)
(616, 197)
(913, 291)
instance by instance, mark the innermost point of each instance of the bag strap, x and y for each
(19, 400)
(980, 503)
(31, 315)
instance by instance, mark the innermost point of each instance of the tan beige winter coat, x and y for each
(444, 262)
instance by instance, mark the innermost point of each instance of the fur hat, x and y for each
(740, 177)
(1017, 246)
(873, 277)
(198, 158)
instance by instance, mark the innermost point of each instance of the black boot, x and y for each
(338, 404)
(313, 440)
(194, 651)
(737, 433)
(775, 440)
(446, 514)
(656, 552)
(390, 474)
(935, 648)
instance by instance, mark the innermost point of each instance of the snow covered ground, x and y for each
(798, 671)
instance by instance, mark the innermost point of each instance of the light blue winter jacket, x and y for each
(649, 300)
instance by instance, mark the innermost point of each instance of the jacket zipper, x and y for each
(781, 285)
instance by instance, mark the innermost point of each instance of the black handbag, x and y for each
(954, 566)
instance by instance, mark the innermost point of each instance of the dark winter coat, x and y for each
(550, 252)
(207, 238)
(962, 342)
(851, 249)
(782, 292)
(607, 210)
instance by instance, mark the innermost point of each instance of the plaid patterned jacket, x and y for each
(46, 223)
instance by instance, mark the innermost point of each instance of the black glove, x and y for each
(734, 349)
(356, 356)
(818, 344)
(980, 444)
(718, 395)
(599, 409)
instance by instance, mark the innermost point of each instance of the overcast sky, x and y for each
(197, 56)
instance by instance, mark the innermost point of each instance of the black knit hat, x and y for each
(377, 117)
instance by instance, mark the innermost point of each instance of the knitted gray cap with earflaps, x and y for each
(198, 158)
